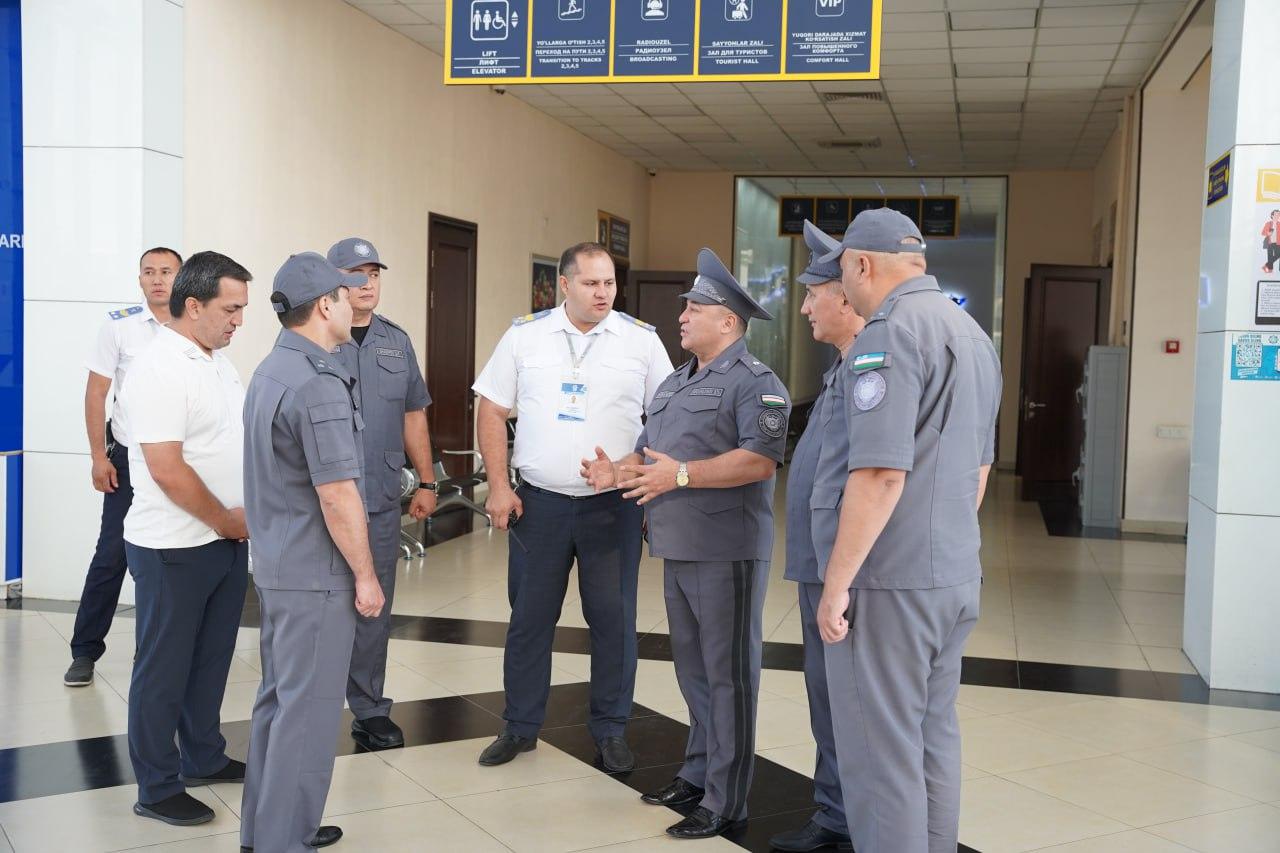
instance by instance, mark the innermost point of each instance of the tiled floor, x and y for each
(1112, 768)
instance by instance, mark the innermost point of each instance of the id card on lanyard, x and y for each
(573, 387)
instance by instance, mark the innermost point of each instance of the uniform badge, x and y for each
(362, 249)
(870, 361)
(772, 423)
(868, 391)
(773, 401)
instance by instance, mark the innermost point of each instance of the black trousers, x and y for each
(602, 533)
(102, 583)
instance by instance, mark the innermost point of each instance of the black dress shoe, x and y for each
(377, 733)
(233, 772)
(703, 824)
(178, 810)
(324, 836)
(615, 755)
(678, 793)
(505, 748)
(810, 837)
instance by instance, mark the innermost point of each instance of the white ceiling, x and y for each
(967, 85)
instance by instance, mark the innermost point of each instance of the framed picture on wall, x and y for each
(544, 283)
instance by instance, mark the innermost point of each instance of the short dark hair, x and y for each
(295, 317)
(569, 258)
(199, 279)
(159, 250)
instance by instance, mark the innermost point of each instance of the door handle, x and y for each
(1031, 408)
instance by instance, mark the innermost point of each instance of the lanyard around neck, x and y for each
(574, 358)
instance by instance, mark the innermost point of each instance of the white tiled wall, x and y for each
(103, 145)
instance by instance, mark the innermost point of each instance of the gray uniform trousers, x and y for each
(893, 682)
(826, 775)
(306, 654)
(369, 653)
(715, 611)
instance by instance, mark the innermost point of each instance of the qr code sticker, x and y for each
(1249, 351)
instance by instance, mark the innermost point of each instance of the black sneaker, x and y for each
(233, 772)
(178, 810)
(80, 673)
(377, 733)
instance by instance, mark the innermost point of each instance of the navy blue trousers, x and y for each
(602, 533)
(189, 602)
(102, 584)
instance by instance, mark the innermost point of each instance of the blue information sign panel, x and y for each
(487, 41)
(829, 36)
(653, 38)
(660, 41)
(741, 38)
(570, 39)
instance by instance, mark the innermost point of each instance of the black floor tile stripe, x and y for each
(1062, 518)
(780, 798)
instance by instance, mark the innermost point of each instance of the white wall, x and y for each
(309, 121)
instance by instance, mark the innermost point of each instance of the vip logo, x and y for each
(829, 8)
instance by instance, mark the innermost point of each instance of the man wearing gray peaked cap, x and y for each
(815, 485)
(310, 550)
(902, 583)
(716, 433)
(381, 358)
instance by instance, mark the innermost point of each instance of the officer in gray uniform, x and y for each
(811, 530)
(310, 551)
(393, 403)
(901, 591)
(715, 434)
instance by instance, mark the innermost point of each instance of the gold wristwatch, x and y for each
(682, 475)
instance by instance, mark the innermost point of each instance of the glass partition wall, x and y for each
(969, 266)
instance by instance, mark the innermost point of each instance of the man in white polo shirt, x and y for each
(185, 540)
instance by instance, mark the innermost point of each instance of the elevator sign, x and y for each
(660, 41)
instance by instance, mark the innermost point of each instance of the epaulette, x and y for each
(393, 325)
(121, 313)
(328, 367)
(755, 365)
(641, 323)
(529, 318)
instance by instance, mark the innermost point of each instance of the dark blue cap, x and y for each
(307, 276)
(715, 285)
(353, 252)
(818, 271)
(880, 229)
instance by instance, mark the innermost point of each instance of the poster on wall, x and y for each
(833, 215)
(1219, 183)
(11, 289)
(544, 284)
(614, 234)
(1268, 217)
(1255, 356)
(657, 41)
(793, 210)
(1266, 311)
(940, 217)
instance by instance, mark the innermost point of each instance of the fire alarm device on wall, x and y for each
(1173, 346)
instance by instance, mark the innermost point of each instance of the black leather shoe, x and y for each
(615, 755)
(324, 836)
(703, 824)
(377, 733)
(233, 772)
(178, 810)
(810, 837)
(678, 793)
(505, 748)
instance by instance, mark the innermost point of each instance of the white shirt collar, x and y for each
(185, 345)
(560, 323)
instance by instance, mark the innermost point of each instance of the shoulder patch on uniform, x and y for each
(641, 323)
(869, 391)
(773, 401)
(121, 313)
(755, 365)
(869, 361)
(772, 423)
(529, 318)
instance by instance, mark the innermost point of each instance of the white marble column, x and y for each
(102, 148)
(1232, 619)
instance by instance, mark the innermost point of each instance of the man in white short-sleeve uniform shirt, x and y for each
(185, 540)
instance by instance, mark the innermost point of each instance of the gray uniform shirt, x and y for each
(815, 483)
(302, 428)
(390, 383)
(734, 402)
(922, 385)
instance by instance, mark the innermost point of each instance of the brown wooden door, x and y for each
(451, 335)
(655, 296)
(1068, 309)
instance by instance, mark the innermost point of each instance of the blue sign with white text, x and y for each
(570, 39)
(828, 36)
(653, 37)
(489, 39)
(11, 290)
(740, 37)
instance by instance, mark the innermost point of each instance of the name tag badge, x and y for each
(573, 401)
